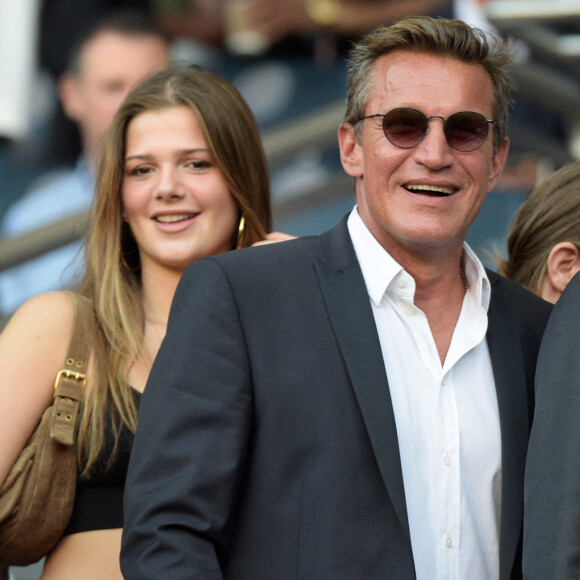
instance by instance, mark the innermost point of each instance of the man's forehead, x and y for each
(108, 46)
(400, 72)
(413, 59)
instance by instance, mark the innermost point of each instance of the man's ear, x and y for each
(350, 151)
(497, 163)
(69, 94)
(563, 263)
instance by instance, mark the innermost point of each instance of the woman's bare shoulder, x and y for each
(44, 321)
(51, 307)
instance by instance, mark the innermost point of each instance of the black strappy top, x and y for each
(99, 499)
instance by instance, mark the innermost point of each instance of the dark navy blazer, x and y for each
(267, 446)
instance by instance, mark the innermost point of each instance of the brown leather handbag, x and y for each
(37, 498)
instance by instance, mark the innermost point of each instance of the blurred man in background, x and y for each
(112, 56)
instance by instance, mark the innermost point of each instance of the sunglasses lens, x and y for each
(466, 131)
(404, 127)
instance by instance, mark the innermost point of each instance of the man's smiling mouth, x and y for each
(435, 190)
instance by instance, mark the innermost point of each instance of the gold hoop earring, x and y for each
(241, 230)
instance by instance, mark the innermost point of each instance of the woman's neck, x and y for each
(158, 286)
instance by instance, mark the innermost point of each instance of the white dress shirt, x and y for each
(446, 415)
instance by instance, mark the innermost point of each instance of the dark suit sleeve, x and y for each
(190, 445)
(552, 488)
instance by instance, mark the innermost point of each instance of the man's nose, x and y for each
(433, 150)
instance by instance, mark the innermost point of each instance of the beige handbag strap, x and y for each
(71, 380)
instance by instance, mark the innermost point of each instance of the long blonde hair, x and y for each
(550, 215)
(112, 268)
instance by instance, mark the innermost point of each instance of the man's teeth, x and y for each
(167, 219)
(433, 188)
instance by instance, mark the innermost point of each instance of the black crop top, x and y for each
(99, 499)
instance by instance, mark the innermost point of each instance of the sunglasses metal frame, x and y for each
(426, 129)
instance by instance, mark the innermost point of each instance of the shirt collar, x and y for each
(379, 269)
(479, 284)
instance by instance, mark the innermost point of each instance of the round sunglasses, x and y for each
(405, 127)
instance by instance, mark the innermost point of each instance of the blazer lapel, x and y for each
(510, 382)
(348, 307)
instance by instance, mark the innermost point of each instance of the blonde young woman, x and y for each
(544, 241)
(183, 176)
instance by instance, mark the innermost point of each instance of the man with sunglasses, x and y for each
(354, 405)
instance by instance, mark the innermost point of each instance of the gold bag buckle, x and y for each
(68, 374)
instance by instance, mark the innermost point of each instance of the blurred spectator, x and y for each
(116, 53)
(544, 242)
(62, 24)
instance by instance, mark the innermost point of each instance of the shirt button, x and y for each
(448, 542)
(402, 283)
(410, 310)
(447, 459)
